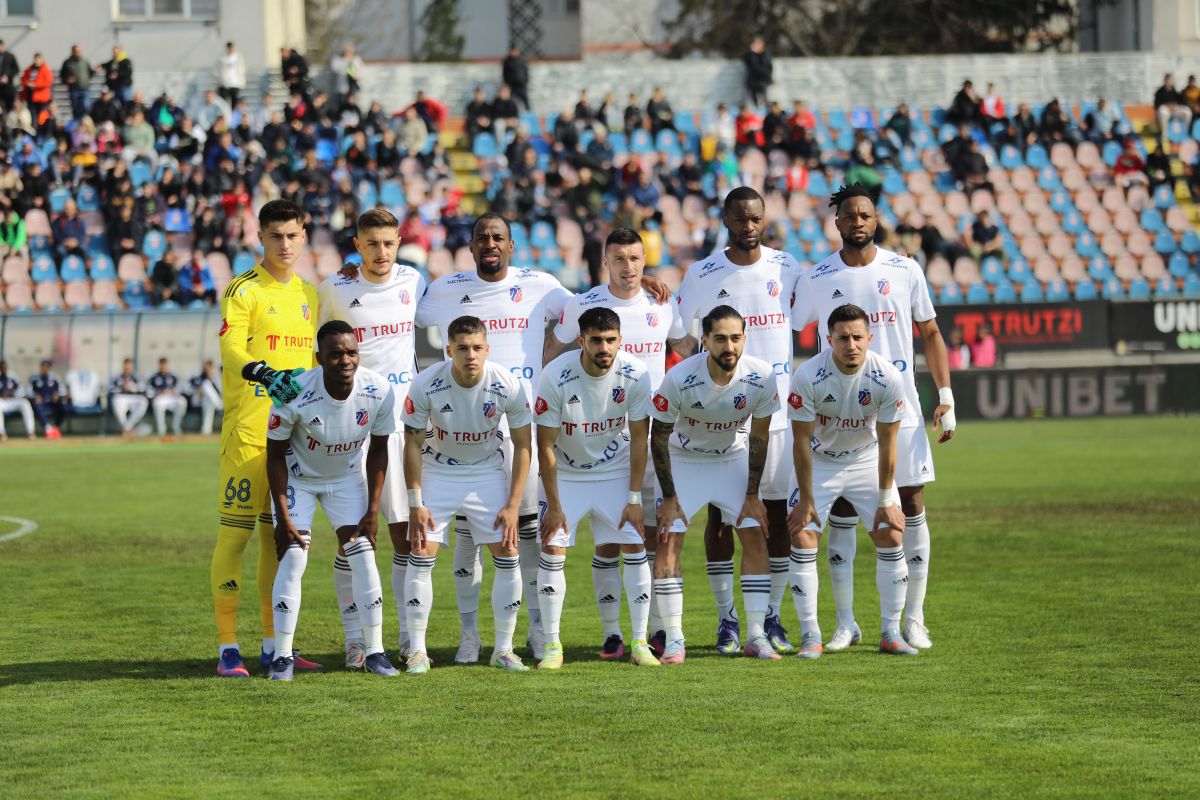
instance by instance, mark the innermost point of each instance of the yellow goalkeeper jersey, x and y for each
(262, 320)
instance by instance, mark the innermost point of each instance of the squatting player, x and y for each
(268, 321)
(845, 405)
(891, 289)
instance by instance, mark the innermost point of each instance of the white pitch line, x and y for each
(25, 526)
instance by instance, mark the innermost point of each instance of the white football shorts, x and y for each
(858, 482)
(602, 500)
(344, 501)
(914, 461)
(479, 498)
(721, 482)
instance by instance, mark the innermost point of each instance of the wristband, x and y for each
(634, 499)
(946, 396)
(888, 498)
(414, 498)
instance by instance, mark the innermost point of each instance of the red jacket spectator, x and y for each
(797, 177)
(38, 82)
(748, 128)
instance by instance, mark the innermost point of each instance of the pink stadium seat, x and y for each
(328, 263)
(1036, 202)
(957, 205)
(693, 209)
(221, 271)
(78, 295)
(999, 178)
(800, 206)
(37, 223)
(1139, 244)
(1138, 198)
(1074, 179)
(1062, 156)
(1020, 223)
(1125, 267)
(677, 234)
(1125, 221)
(48, 296)
(1113, 199)
(1087, 155)
(1072, 268)
(570, 235)
(1086, 200)
(1023, 180)
(930, 204)
(1098, 221)
(182, 243)
(902, 204)
(1009, 202)
(937, 272)
(304, 266)
(1177, 219)
(1047, 223)
(1032, 247)
(104, 293)
(966, 271)
(15, 270)
(776, 206)
(946, 225)
(1188, 151)
(464, 262)
(322, 239)
(131, 268)
(1112, 244)
(671, 276)
(19, 295)
(93, 222)
(1045, 269)
(441, 263)
(982, 201)
(1060, 245)
(830, 229)
(668, 204)
(1153, 267)
(919, 182)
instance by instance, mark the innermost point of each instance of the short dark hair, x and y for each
(622, 236)
(599, 319)
(739, 194)
(377, 218)
(333, 328)
(844, 193)
(279, 211)
(847, 313)
(491, 215)
(465, 326)
(719, 313)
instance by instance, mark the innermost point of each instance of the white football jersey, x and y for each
(328, 437)
(646, 325)
(590, 413)
(710, 420)
(514, 310)
(382, 316)
(845, 407)
(762, 294)
(463, 424)
(891, 289)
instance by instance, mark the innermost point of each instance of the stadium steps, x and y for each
(465, 166)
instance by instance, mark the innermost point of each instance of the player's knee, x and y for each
(806, 539)
(627, 549)
(610, 550)
(502, 551)
(912, 500)
(887, 537)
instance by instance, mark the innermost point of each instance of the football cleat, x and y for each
(380, 664)
(552, 657)
(356, 655)
(673, 653)
(658, 643)
(729, 633)
(265, 660)
(759, 647)
(281, 668)
(917, 635)
(230, 665)
(844, 637)
(640, 655)
(776, 635)
(536, 642)
(468, 650)
(417, 664)
(404, 649)
(810, 646)
(508, 661)
(892, 644)
(613, 649)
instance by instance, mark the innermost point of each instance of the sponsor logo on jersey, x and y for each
(864, 397)
(405, 297)
(446, 409)
(618, 394)
(698, 404)
(489, 408)
(466, 298)
(627, 370)
(773, 288)
(795, 400)
(362, 417)
(540, 406)
(722, 294)
(274, 422)
(271, 310)
(496, 387)
(690, 380)
(739, 401)
(515, 294)
(574, 400)
(356, 303)
(660, 402)
(566, 373)
(308, 395)
(408, 406)
(305, 312)
(274, 340)
(315, 422)
(884, 287)
(652, 320)
(224, 327)
(837, 294)
(829, 399)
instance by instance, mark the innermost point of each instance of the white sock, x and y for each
(656, 623)
(916, 549)
(804, 588)
(668, 593)
(506, 600)
(637, 593)
(843, 540)
(552, 590)
(343, 584)
(606, 581)
(418, 588)
(530, 551)
(285, 597)
(779, 584)
(756, 595)
(368, 591)
(399, 573)
(891, 578)
(720, 578)
(468, 577)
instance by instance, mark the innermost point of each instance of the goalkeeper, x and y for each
(268, 322)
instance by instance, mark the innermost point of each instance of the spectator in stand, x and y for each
(433, 112)
(634, 120)
(1025, 127)
(565, 133)
(646, 194)
(210, 110)
(515, 74)
(125, 234)
(118, 74)
(13, 240)
(1191, 95)
(164, 279)
(68, 233)
(759, 71)
(583, 109)
(138, 136)
(163, 390)
(775, 127)
(748, 129)
(11, 402)
(196, 281)
(600, 152)
(973, 169)
(983, 350)
(478, 115)
(901, 125)
(76, 75)
(1100, 124)
(1158, 168)
(10, 72)
(991, 107)
(37, 84)
(414, 134)
(1055, 126)
(206, 396)
(722, 128)
(346, 68)
(796, 176)
(1130, 169)
(606, 115)
(802, 117)
(127, 399)
(964, 108)
(1169, 104)
(958, 355)
(956, 149)
(49, 400)
(504, 113)
(985, 237)
(293, 68)
(11, 184)
(659, 112)
(231, 73)
(107, 108)
(19, 120)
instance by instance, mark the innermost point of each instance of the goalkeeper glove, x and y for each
(282, 386)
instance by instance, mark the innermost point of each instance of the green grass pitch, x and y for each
(1063, 608)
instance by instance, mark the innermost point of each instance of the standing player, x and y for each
(891, 289)
(845, 405)
(462, 403)
(268, 318)
(380, 303)
(699, 434)
(649, 327)
(163, 388)
(49, 400)
(592, 411)
(11, 402)
(315, 455)
(758, 282)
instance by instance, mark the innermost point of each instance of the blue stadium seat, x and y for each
(1085, 290)
(1190, 243)
(327, 151)
(977, 294)
(838, 121)
(1010, 157)
(177, 220)
(1191, 286)
(937, 116)
(96, 245)
(1019, 271)
(135, 296)
(810, 230)
(485, 145)
(686, 123)
(531, 123)
(39, 245)
(58, 199)
(520, 234)
(1036, 157)
(1164, 196)
(1152, 220)
(1048, 178)
(87, 199)
(951, 294)
(863, 118)
(588, 135)
(1031, 292)
(542, 235)
(1086, 245)
(893, 183)
(641, 142)
(551, 260)
(139, 173)
(992, 269)
(1165, 287)
(1060, 201)
(667, 142)
(73, 270)
(42, 269)
(1176, 131)
(1113, 290)
(1139, 289)
(243, 262)
(1179, 265)
(154, 245)
(1057, 291)
(818, 184)
(1074, 223)
(523, 255)
(102, 268)
(620, 144)
(922, 137)
(391, 194)
(1164, 243)
(1098, 268)
(1196, 128)
(1111, 152)
(944, 182)
(1005, 293)
(910, 159)
(367, 195)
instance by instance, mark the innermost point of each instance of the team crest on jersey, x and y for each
(274, 422)
(884, 287)
(864, 397)
(224, 327)
(362, 417)
(305, 312)
(515, 294)
(795, 400)
(652, 320)
(540, 406)
(739, 401)
(619, 394)
(660, 402)
(408, 406)
(489, 408)
(773, 288)
(405, 297)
